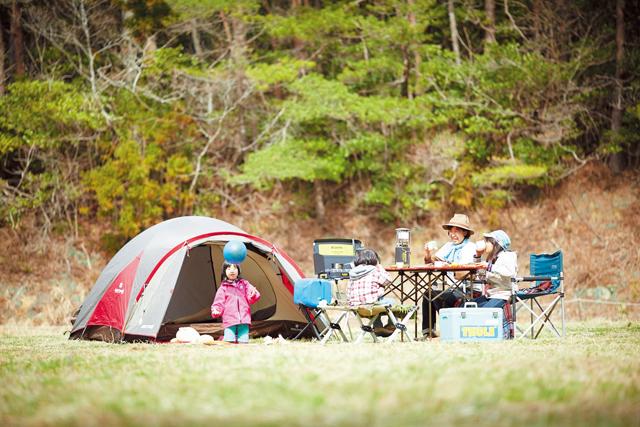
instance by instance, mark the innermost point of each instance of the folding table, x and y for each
(411, 283)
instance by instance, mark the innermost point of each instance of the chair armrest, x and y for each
(535, 278)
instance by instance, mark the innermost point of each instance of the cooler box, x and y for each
(309, 292)
(471, 323)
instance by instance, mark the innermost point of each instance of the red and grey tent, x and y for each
(167, 276)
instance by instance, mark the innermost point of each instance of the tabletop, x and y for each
(432, 267)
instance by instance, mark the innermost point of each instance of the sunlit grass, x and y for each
(592, 377)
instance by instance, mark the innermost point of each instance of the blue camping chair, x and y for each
(541, 299)
(315, 299)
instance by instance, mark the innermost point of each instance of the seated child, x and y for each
(366, 285)
(501, 266)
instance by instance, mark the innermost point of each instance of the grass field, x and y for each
(592, 377)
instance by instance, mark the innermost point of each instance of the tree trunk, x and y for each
(86, 29)
(490, 29)
(562, 39)
(239, 43)
(195, 39)
(616, 161)
(226, 27)
(406, 73)
(417, 59)
(17, 40)
(298, 45)
(537, 20)
(318, 193)
(454, 31)
(2, 50)
(239, 58)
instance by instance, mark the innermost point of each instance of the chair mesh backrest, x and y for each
(547, 265)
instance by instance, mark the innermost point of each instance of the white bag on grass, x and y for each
(187, 335)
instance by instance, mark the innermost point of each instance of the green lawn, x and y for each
(592, 377)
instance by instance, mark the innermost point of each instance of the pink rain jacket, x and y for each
(233, 300)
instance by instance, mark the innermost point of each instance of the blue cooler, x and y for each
(471, 323)
(309, 292)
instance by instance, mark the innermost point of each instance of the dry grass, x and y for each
(592, 378)
(45, 276)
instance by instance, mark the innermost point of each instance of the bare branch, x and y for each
(212, 138)
(513, 22)
(264, 132)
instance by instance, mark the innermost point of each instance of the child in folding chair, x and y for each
(366, 286)
(501, 266)
(232, 302)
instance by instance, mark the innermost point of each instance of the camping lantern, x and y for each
(403, 246)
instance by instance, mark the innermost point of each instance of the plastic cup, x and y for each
(481, 245)
(432, 245)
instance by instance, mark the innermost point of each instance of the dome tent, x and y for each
(167, 276)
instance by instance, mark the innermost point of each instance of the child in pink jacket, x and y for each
(232, 302)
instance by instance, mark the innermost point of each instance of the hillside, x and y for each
(592, 216)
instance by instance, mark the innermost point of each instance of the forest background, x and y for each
(304, 119)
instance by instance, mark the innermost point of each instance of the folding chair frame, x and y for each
(377, 311)
(322, 325)
(401, 326)
(311, 314)
(540, 316)
(334, 325)
(367, 328)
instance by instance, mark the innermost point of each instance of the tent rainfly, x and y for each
(167, 276)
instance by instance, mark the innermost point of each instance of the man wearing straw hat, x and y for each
(459, 250)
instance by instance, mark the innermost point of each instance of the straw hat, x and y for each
(460, 221)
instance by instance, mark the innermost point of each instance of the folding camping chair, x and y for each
(308, 295)
(332, 260)
(314, 297)
(368, 314)
(547, 272)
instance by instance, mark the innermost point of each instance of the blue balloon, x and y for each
(234, 252)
